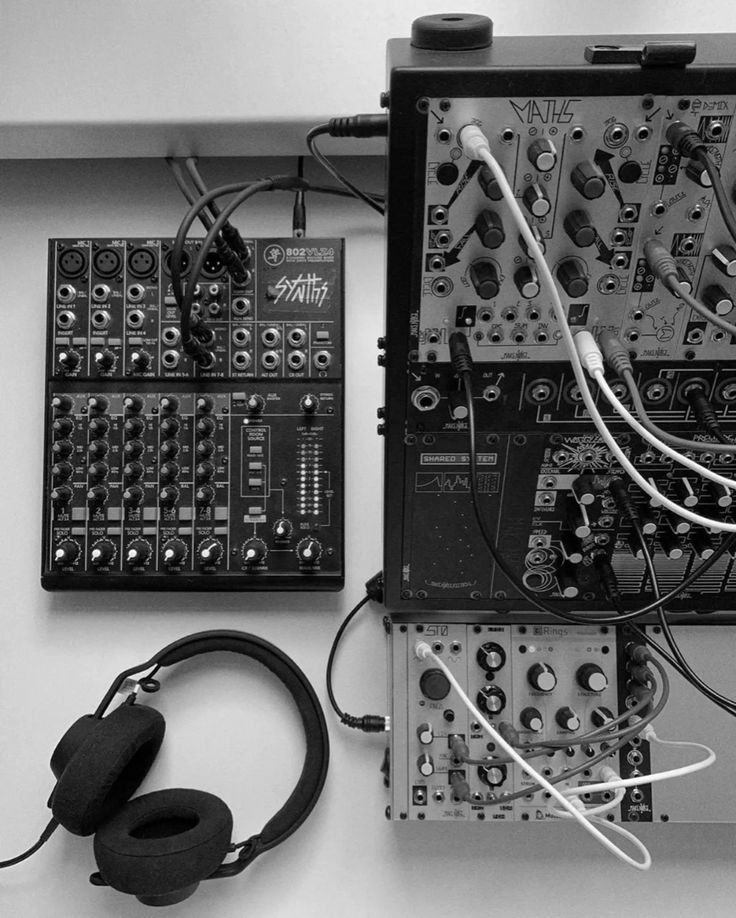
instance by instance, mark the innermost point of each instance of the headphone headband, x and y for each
(314, 771)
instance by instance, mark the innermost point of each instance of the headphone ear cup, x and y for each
(107, 767)
(160, 845)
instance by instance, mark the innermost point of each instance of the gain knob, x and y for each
(102, 554)
(174, 552)
(69, 360)
(567, 720)
(591, 678)
(282, 530)
(483, 276)
(138, 553)
(491, 699)
(140, 360)
(66, 552)
(542, 677)
(491, 656)
(308, 551)
(254, 551)
(210, 551)
(105, 360)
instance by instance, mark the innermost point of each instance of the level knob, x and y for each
(66, 552)
(99, 471)
(567, 719)
(138, 553)
(536, 201)
(531, 719)
(434, 684)
(254, 551)
(210, 551)
(591, 678)
(542, 677)
(491, 699)
(102, 554)
(309, 403)
(542, 154)
(489, 227)
(69, 360)
(491, 656)
(141, 360)
(572, 277)
(425, 734)
(483, 276)
(282, 529)
(308, 551)
(425, 765)
(589, 180)
(174, 551)
(579, 228)
(492, 775)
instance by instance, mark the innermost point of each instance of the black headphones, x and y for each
(159, 846)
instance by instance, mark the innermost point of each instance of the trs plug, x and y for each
(232, 262)
(359, 126)
(232, 237)
(704, 412)
(638, 653)
(459, 747)
(684, 139)
(460, 786)
(624, 500)
(615, 353)
(462, 362)
(368, 723)
(662, 263)
(608, 581)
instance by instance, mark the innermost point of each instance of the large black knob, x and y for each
(573, 279)
(579, 228)
(589, 180)
(489, 227)
(542, 677)
(591, 678)
(434, 684)
(484, 278)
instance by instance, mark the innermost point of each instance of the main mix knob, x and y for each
(308, 551)
(309, 403)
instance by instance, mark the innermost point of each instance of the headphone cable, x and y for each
(45, 836)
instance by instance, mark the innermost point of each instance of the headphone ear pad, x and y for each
(163, 842)
(107, 767)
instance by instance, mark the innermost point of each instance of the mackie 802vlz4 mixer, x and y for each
(581, 133)
(162, 476)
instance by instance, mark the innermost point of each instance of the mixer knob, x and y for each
(489, 184)
(170, 427)
(61, 471)
(489, 227)
(425, 734)
(174, 551)
(204, 471)
(66, 552)
(169, 404)
(591, 678)
(484, 278)
(425, 765)
(169, 449)
(168, 496)
(536, 201)
(579, 228)
(542, 154)
(169, 471)
(254, 551)
(256, 404)
(99, 471)
(133, 449)
(69, 360)
(62, 427)
(102, 554)
(98, 404)
(491, 656)
(589, 180)
(567, 719)
(61, 495)
(531, 719)
(133, 496)
(572, 277)
(491, 699)
(133, 403)
(308, 551)
(205, 404)
(204, 495)
(542, 677)
(133, 427)
(492, 775)
(141, 360)
(98, 427)
(98, 449)
(309, 403)
(62, 449)
(132, 471)
(282, 529)
(434, 684)
(205, 427)
(601, 716)
(105, 359)
(205, 448)
(61, 403)
(138, 553)
(210, 551)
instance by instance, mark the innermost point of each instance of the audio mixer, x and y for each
(162, 475)
(585, 138)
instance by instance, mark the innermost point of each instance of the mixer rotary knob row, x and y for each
(309, 551)
(174, 552)
(67, 552)
(210, 551)
(138, 553)
(103, 553)
(254, 551)
(62, 427)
